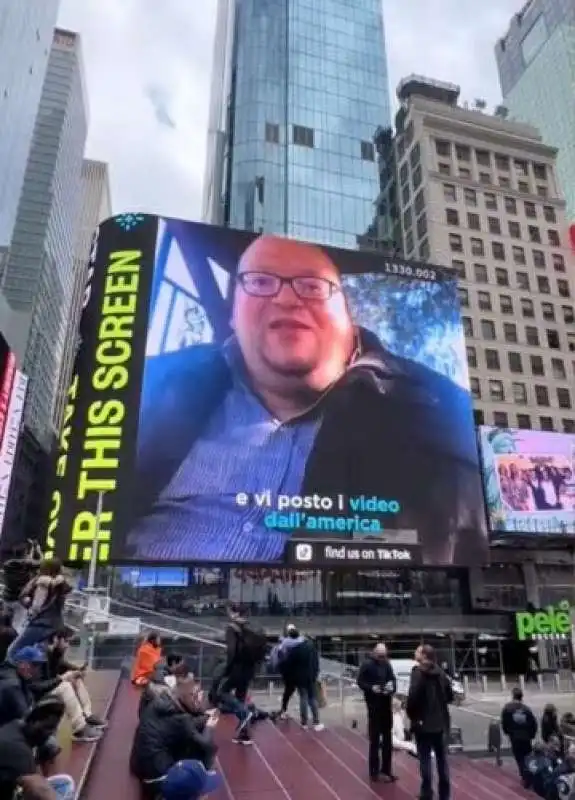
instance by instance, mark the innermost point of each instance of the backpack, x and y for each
(253, 644)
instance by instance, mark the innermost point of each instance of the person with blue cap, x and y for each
(189, 780)
(18, 682)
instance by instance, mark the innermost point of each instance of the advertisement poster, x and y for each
(10, 438)
(529, 481)
(259, 400)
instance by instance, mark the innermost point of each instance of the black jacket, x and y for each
(550, 726)
(300, 665)
(377, 673)
(518, 722)
(16, 695)
(167, 734)
(17, 573)
(428, 699)
(413, 441)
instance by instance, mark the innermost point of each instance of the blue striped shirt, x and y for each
(243, 449)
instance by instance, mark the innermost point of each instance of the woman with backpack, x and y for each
(44, 596)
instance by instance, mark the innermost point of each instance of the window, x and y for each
(498, 251)
(367, 151)
(421, 226)
(527, 308)
(442, 148)
(553, 340)
(521, 167)
(539, 259)
(494, 225)
(564, 398)
(419, 202)
(405, 194)
(464, 172)
(530, 210)
(488, 329)
(518, 255)
(459, 267)
(416, 177)
(510, 205)
(272, 133)
(568, 425)
(519, 392)
(407, 218)
(515, 363)
(478, 416)
(501, 277)
(532, 335)
(415, 155)
(514, 229)
(563, 288)
(480, 273)
(484, 301)
(540, 172)
(522, 281)
(404, 174)
(504, 182)
(500, 419)
(548, 311)
(523, 187)
(542, 191)
(558, 369)
(492, 359)
(549, 214)
(537, 365)
(303, 136)
(483, 158)
(541, 395)
(510, 332)
(475, 386)
(546, 423)
(470, 196)
(543, 285)
(473, 222)
(553, 238)
(462, 152)
(455, 243)
(409, 244)
(501, 162)
(506, 304)
(451, 216)
(471, 356)
(485, 177)
(463, 296)
(444, 169)
(524, 421)
(558, 262)
(477, 247)
(490, 201)
(467, 326)
(534, 235)
(496, 393)
(424, 250)
(568, 314)
(449, 193)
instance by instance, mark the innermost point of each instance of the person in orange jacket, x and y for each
(148, 656)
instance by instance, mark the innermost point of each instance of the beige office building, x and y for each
(479, 193)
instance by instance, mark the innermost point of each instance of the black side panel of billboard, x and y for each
(97, 443)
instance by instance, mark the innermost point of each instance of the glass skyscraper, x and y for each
(299, 89)
(536, 62)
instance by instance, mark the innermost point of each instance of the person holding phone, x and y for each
(377, 681)
(66, 680)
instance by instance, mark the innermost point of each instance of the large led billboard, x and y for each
(259, 400)
(529, 481)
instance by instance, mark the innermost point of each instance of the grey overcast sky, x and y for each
(148, 66)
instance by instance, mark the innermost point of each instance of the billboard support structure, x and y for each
(94, 554)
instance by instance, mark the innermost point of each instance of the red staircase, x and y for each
(286, 763)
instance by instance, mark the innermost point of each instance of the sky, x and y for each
(148, 65)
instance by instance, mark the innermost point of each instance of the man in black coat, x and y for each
(377, 681)
(427, 708)
(519, 723)
(211, 417)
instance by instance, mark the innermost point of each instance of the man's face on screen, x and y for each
(290, 314)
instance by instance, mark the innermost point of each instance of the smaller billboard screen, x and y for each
(529, 481)
(144, 577)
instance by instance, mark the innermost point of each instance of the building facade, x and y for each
(26, 31)
(299, 89)
(536, 63)
(96, 206)
(38, 278)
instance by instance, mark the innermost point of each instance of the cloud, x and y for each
(148, 67)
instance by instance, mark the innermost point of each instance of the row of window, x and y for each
(489, 333)
(501, 275)
(515, 362)
(504, 420)
(494, 227)
(510, 204)
(506, 305)
(305, 137)
(496, 392)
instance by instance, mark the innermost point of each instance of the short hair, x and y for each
(45, 708)
(153, 637)
(428, 653)
(51, 567)
(517, 694)
(173, 658)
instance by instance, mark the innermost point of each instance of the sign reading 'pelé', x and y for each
(554, 622)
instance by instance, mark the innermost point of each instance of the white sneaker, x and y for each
(319, 727)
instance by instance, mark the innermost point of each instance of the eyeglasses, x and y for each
(306, 287)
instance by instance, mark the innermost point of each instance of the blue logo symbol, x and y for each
(128, 222)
